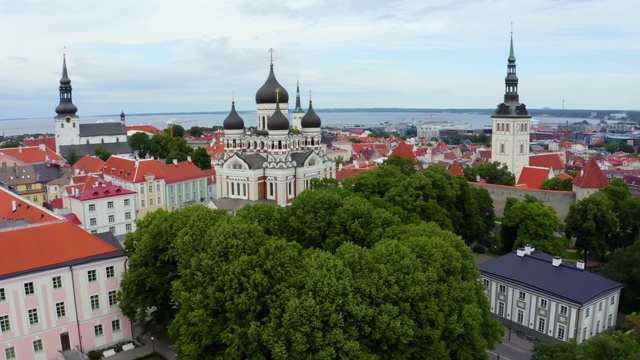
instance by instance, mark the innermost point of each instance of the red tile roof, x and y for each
(563, 176)
(591, 176)
(551, 160)
(88, 164)
(49, 142)
(145, 128)
(455, 169)
(533, 176)
(450, 155)
(352, 170)
(32, 154)
(215, 149)
(102, 191)
(24, 210)
(182, 171)
(441, 146)
(404, 150)
(127, 170)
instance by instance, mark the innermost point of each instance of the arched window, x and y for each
(279, 144)
(521, 149)
(507, 127)
(102, 140)
(244, 189)
(271, 192)
(502, 148)
(232, 189)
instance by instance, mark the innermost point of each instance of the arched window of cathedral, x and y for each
(234, 143)
(232, 189)
(244, 189)
(238, 188)
(271, 192)
(502, 148)
(507, 127)
(279, 145)
(117, 139)
(521, 149)
(312, 142)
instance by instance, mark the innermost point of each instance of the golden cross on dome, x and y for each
(277, 95)
(271, 55)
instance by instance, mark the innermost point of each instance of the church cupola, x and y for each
(233, 121)
(310, 120)
(122, 116)
(66, 107)
(278, 122)
(267, 93)
(511, 104)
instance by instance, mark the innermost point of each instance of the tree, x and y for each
(339, 160)
(201, 158)
(194, 131)
(557, 184)
(591, 221)
(140, 142)
(605, 347)
(10, 144)
(73, 157)
(485, 208)
(536, 225)
(161, 146)
(496, 173)
(102, 152)
(378, 181)
(355, 140)
(178, 131)
(407, 166)
(624, 267)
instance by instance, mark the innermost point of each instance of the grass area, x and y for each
(572, 255)
(154, 356)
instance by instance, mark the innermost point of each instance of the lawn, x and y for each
(572, 255)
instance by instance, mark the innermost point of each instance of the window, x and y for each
(127, 227)
(61, 311)
(179, 198)
(29, 289)
(33, 316)
(586, 312)
(3, 296)
(56, 282)
(150, 188)
(10, 352)
(92, 276)
(110, 271)
(521, 295)
(598, 327)
(541, 324)
(543, 303)
(98, 331)
(486, 282)
(157, 186)
(112, 229)
(520, 318)
(560, 333)
(521, 149)
(159, 202)
(92, 207)
(110, 205)
(502, 288)
(112, 218)
(37, 345)
(94, 232)
(563, 310)
(29, 187)
(170, 188)
(127, 215)
(113, 301)
(93, 222)
(502, 148)
(142, 189)
(500, 308)
(151, 202)
(613, 300)
(142, 204)
(600, 306)
(115, 325)
(5, 326)
(35, 198)
(172, 200)
(609, 320)
(95, 302)
(127, 202)
(584, 333)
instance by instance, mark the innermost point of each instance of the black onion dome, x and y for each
(278, 121)
(310, 119)
(66, 108)
(233, 120)
(267, 93)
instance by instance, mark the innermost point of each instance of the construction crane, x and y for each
(173, 121)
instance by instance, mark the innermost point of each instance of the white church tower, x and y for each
(298, 113)
(511, 123)
(67, 127)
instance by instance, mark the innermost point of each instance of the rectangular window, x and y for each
(10, 353)
(95, 302)
(112, 218)
(61, 311)
(92, 276)
(157, 186)
(37, 346)
(127, 227)
(600, 306)
(584, 333)
(543, 303)
(29, 187)
(613, 300)
(98, 331)
(141, 189)
(150, 188)
(110, 205)
(110, 271)
(500, 308)
(127, 215)
(179, 187)
(3, 295)
(92, 207)
(502, 288)
(113, 301)
(94, 232)
(142, 204)
(541, 324)
(35, 198)
(172, 200)
(521, 295)
(115, 325)
(5, 326)
(563, 310)
(56, 282)
(486, 282)
(586, 312)
(598, 327)
(151, 202)
(33, 316)
(560, 333)
(520, 318)
(609, 320)
(180, 198)
(29, 289)
(159, 202)
(127, 202)
(93, 222)
(112, 229)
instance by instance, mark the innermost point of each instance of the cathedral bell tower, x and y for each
(511, 123)
(67, 127)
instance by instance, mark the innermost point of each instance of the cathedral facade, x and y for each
(272, 163)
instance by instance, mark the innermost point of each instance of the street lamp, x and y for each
(153, 345)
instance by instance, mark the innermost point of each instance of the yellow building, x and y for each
(23, 181)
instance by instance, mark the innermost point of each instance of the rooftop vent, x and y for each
(557, 260)
(520, 252)
(580, 264)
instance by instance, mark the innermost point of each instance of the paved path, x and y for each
(148, 348)
(514, 349)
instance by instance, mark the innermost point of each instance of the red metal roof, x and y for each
(49, 142)
(131, 170)
(72, 218)
(184, 170)
(145, 128)
(102, 191)
(591, 176)
(24, 210)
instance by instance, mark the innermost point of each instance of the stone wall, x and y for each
(559, 200)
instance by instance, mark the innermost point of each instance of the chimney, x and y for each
(41, 147)
(76, 171)
(520, 252)
(47, 160)
(340, 167)
(557, 260)
(189, 158)
(13, 205)
(580, 264)
(528, 249)
(20, 149)
(355, 163)
(175, 162)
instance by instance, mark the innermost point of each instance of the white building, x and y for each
(103, 208)
(548, 298)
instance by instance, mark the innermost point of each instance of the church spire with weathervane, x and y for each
(66, 107)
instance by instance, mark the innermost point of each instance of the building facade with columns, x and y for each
(271, 164)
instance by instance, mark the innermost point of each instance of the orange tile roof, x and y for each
(551, 160)
(32, 154)
(49, 142)
(591, 176)
(145, 128)
(441, 146)
(127, 170)
(24, 210)
(88, 164)
(450, 155)
(359, 148)
(184, 170)
(404, 150)
(216, 148)
(455, 169)
(533, 176)
(352, 170)
(563, 176)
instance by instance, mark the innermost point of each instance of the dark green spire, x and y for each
(298, 106)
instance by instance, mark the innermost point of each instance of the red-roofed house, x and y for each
(441, 146)
(548, 160)
(404, 150)
(61, 283)
(29, 155)
(185, 183)
(455, 169)
(149, 129)
(104, 207)
(354, 169)
(87, 165)
(49, 142)
(533, 176)
(589, 180)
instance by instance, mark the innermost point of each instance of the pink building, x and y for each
(58, 284)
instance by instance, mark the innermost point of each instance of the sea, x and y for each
(10, 127)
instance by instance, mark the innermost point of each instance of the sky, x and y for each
(151, 56)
